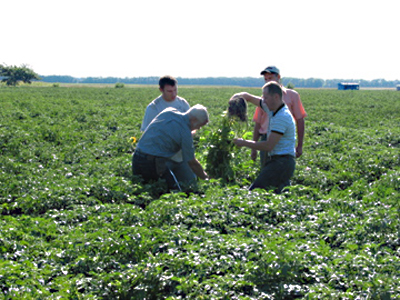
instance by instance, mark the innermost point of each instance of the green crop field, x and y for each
(75, 223)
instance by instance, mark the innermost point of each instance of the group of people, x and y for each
(166, 148)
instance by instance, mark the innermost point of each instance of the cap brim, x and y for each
(269, 72)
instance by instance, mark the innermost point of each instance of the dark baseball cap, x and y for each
(270, 69)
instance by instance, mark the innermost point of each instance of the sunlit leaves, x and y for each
(76, 224)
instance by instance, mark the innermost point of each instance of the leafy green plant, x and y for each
(221, 150)
(76, 224)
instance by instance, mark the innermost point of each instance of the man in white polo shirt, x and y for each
(281, 139)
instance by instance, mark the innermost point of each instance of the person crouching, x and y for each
(169, 132)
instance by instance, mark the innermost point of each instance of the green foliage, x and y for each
(13, 74)
(221, 152)
(119, 85)
(290, 86)
(75, 223)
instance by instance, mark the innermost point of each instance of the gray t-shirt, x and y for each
(158, 105)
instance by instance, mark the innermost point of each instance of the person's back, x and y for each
(167, 134)
(170, 132)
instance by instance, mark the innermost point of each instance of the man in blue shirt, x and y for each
(168, 133)
(281, 139)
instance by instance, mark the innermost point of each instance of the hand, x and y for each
(253, 154)
(299, 151)
(239, 95)
(239, 142)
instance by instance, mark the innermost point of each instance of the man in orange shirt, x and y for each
(292, 100)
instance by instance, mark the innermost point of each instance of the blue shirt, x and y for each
(283, 123)
(168, 133)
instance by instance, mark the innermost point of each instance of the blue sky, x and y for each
(128, 38)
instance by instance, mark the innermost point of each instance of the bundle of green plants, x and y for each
(221, 150)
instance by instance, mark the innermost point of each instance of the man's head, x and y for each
(198, 116)
(168, 87)
(271, 73)
(272, 95)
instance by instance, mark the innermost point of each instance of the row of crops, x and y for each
(75, 223)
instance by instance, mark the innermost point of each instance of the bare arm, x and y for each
(250, 98)
(256, 137)
(197, 169)
(256, 132)
(300, 136)
(267, 145)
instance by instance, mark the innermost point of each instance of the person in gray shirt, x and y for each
(168, 133)
(168, 87)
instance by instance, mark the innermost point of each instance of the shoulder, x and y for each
(290, 93)
(156, 101)
(182, 100)
(284, 114)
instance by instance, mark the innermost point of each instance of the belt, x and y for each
(279, 156)
(141, 154)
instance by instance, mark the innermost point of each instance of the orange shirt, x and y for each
(293, 102)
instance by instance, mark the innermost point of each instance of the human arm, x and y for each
(197, 169)
(256, 136)
(249, 98)
(295, 105)
(300, 124)
(267, 145)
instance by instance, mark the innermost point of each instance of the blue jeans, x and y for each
(276, 173)
(182, 172)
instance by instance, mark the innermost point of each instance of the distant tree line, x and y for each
(229, 81)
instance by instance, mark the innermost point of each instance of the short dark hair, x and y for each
(167, 79)
(274, 88)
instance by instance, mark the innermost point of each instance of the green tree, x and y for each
(290, 85)
(12, 75)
